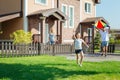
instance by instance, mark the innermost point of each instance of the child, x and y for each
(78, 48)
(52, 36)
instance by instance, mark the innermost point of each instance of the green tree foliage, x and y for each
(20, 36)
(97, 41)
(112, 38)
(1, 31)
(117, 41)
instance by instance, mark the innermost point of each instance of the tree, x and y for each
(97, 41)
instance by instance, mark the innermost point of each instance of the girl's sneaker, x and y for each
(80, 65)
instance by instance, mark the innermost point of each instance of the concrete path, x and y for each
(94, 57)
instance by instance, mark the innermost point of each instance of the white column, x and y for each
(53, 4)
(95, 10)
(25, 19)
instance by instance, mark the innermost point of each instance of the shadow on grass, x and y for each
(37, 72)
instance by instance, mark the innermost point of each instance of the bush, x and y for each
(117, 41)
(112, 40)
(97, 41)
(20, 36)
(1, 31)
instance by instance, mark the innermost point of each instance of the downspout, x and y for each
(58, 4)
(57, 20)
(81, 18)
(25, 19)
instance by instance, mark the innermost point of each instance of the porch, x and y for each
(87, 29)
(41, 21)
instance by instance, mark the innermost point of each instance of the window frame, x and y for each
(89, 29)
(36, 2)
(66, 13)
(89, 7)
(72, 16)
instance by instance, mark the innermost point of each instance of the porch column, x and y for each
(93, 38)
(61, 25)
(57, 30)
(43, 29)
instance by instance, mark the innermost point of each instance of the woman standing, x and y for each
(52, 36)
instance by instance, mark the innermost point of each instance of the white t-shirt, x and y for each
(104, 35)
(78, 43)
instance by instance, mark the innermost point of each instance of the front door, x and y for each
(89, 31)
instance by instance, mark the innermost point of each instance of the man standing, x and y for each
(104, 32)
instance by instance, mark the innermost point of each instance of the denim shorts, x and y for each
(52, 42)
(104, 43)
(77, 51)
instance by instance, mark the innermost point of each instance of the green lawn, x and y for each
(56, 68)
(117, 51)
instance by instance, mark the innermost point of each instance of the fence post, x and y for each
(39, 48)
(53, 52)
(71, 46)
(9, 49)
(2, 52)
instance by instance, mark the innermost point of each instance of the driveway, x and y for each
(94, 57)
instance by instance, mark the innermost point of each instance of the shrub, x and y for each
(20, 36)
(97, 41)
(117, 41)
(112, 40)
(1, 31)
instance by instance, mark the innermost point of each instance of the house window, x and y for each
(87, 7)
(64, 10)
(71, 16)
(43, 2)
(89, 31)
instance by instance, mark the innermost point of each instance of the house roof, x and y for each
(48, 12)
(8, 17)
(94, 19)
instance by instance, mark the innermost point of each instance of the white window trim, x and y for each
(65, 26)
(73, 16)
(90, 31)
(90, 7)
(42, 3)
(95, 10)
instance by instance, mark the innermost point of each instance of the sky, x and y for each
(110, 10)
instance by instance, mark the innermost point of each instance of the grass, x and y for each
(56, 68)
(97, 51)
(117, 51)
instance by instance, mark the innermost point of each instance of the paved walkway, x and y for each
(94, 57)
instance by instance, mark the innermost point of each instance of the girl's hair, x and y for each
(51, 30)
(77, 34)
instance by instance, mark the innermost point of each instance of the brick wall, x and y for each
(10, 26)
(68, 32)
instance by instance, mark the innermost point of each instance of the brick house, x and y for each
(38, 16)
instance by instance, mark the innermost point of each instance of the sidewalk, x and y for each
(94, 57)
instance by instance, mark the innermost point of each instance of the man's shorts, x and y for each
(104, 43)
(77, 51)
